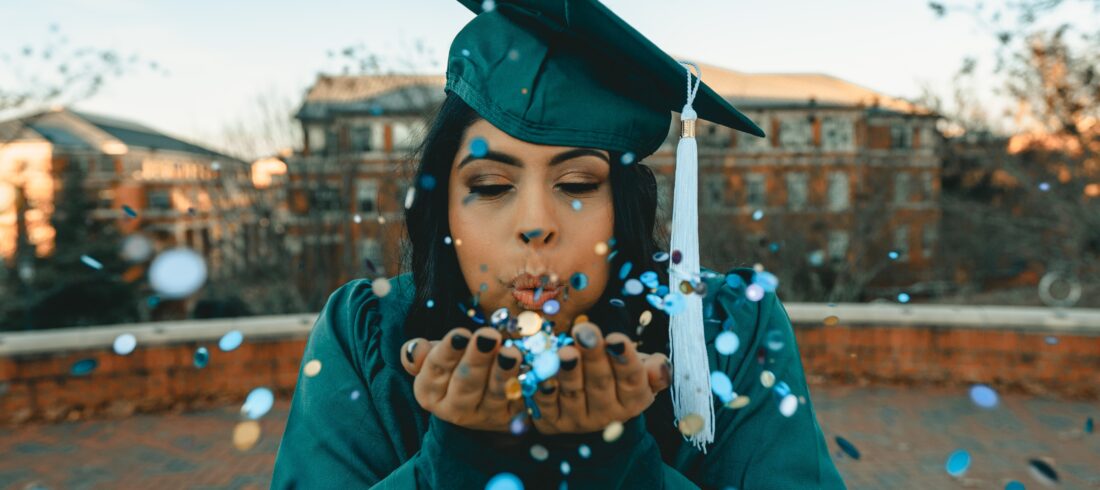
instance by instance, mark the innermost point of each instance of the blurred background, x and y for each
(182, 184)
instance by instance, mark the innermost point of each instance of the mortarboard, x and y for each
(572, 73)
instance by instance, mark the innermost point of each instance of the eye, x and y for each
(490, 190)
(579, 187)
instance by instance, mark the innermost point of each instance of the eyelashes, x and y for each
(497, 190)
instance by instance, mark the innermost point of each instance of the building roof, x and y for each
(747, 91)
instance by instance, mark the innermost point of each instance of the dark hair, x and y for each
(442, 298)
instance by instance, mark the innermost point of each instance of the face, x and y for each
(525, 216)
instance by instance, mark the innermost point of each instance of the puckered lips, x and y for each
(525, 286)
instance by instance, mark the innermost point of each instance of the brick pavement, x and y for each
(904, 436)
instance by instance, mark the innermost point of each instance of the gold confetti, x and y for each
(582, 318)
(685, 287)
(831, 320)
(529, 323)
(381, 287)
(613, 431)
(313, 368)
(767, 378)
(647, 316)
(512, 389)
(740, 401)
(458, 242)
(246, 434)
(690, 424)
(601, 248)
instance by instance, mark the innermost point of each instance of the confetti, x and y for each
(957, 463)
(479, 147)
(546, 365)
(584, 451)
(1088, 425)
(498, 317)
(576, 204)
(410, 197)
(512, 389)
(136, 248)
(722, 387)
(690, 425)
(565, 468)
(788, 405)
(312, 368)
(616, 302)
(354, 395)
(129, 211)
(177, 273)
(767, 378)
(893, 255)
(539, 452)
(726, 343)
(90, 262)
(357, 218)
(1044, 186)
(766, 280)
(758, 215)
(754, 292)
(427, 182)
(774, 340)
(633, 287)
(677, 256)
(649, 279)
(504, 481)
(518, 425)
(734, 281)
(625, 270)
(645, 318)
(601, 248)
(613, 431)
(230, 341)
(529, 323)
(660, 256)
(201, 357)
(847, 447)
(673, 303)
(903, 298)
(1042, 472)
(578, 281)
(627, 158)
(381, 287)
(246, 434)
(740, 402)
(533, 234)
(258, 403)
(831, 320)
(983, 396)
(83, 367)
(1014, 485)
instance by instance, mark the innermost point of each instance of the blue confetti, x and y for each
(551, 307)
(1044, 186)
(766, 280)
(129, 211)
(893, 255)
(201, 358)
(649, 279)
(430, 304)
(847, 447)
(616, 302)
(721, 385)
(258, 403)
(627, 158)
(90, 262)
(673, 303)
(576, 205)
(660, 256)
(479, 147)
(734, 281)
(903, 298)
(427, 182)
(957, 463)
(231, 341)
(633, 287)
(1014, 485)
(758, 215)
(504, 481)
(578, 281)
(83, 367)
(1088, 425)
(625, 270)
(983, 396)
(727, 343)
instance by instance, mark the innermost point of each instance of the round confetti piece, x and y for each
(766, 280)
(831, 320)
(677, 256)
(430, 304)
(479, 147)
(613, 431)
(957, 463)
(312, 368)
(546, 365)
(584, 451)
(576, 204)
(137, 248)
(258, 403)
(246, 434)
(774, 340)
(767, 378)
(734, 281)
(578, 281)
(512, 389)
(518, 425)
(660, 256)
(754, 292)
(616, 302)
(722, 387)
(633, 287)
(504, 481)
(757, 215)
(690, 425)
(381, 287)
(231, 340)
(903, 298)
(201, 357)
(1088, 425)
(673, 303)
(1042, 472)
(649, 279)
(551, 307)
(1014, 485)
(983, 396)
(125, 344)
(1044, 186)
(529, 323)
(726, 343)
(788, 405)
(357, 219)
(625, 270)
(83, 367)
(498, 317)
(601, 248)
(647, 316)
(539, 452)
(893, 255)
(177, 273)
(686, 288)
(740, 401)
(847, 447)
(91, 262)
(354, 395)
(565, 468)
(427, 182)
(627, 158)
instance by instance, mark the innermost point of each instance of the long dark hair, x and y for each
(442, 299)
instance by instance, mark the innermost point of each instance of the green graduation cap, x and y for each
(572, 73)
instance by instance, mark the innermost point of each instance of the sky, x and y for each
(218, 56)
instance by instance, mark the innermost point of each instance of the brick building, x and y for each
(845, 173)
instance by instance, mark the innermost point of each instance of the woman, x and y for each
(529, 195)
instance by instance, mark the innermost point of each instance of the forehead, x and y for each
(499, 141)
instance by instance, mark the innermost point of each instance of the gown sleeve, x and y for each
(759, 445)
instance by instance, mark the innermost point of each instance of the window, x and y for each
(838, 191)
(366, 196)
(901, 136)
(756, 186)
(159, 199)
(796, 133)
(838, 245)
(370, 250)
(929, 238)
(360, 137)
(796, 190)
(324, 199)
(927, 186)
(836, 134)
(901, 188)
(901, 242)
(752, 143)
(713, 192)
(316, 138)
(713, 136)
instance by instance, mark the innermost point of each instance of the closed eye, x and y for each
(490, 190)
(579, 188)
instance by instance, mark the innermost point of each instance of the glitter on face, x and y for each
(258, 403)
(576, 204)
(601, 248)
(230, 341)
(125, 344)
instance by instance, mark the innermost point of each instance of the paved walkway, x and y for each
(904, 437)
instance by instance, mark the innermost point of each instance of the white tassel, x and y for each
(691, 383)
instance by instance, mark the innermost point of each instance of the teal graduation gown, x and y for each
(356, 424)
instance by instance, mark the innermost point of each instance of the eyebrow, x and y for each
(513, 161)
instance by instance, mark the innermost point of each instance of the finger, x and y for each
(471, 376)
(435, 373)
(571, 404)
(503, 385)
(631, 384)
(546, 398)
(413, 354)
(658, 372)
(599, 380)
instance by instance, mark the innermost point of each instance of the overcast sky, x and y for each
(221, 54)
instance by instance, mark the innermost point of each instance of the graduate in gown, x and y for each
(529, 342)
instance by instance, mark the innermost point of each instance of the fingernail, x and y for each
(409, 351)
(459, 341)
(668, 369)
(547, 389)
(569, 365)
(616, 351)
(486, 344)
(587, 338)
(505, 362)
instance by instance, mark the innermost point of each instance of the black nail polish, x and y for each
(616, 350)
(485, 344)
(547, 389)
(505, 362)
(569, 365)
(587, 338)
(459, 341)
(409, 351)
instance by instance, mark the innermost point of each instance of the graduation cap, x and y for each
(572, 73)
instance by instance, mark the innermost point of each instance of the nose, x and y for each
(537, 221)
